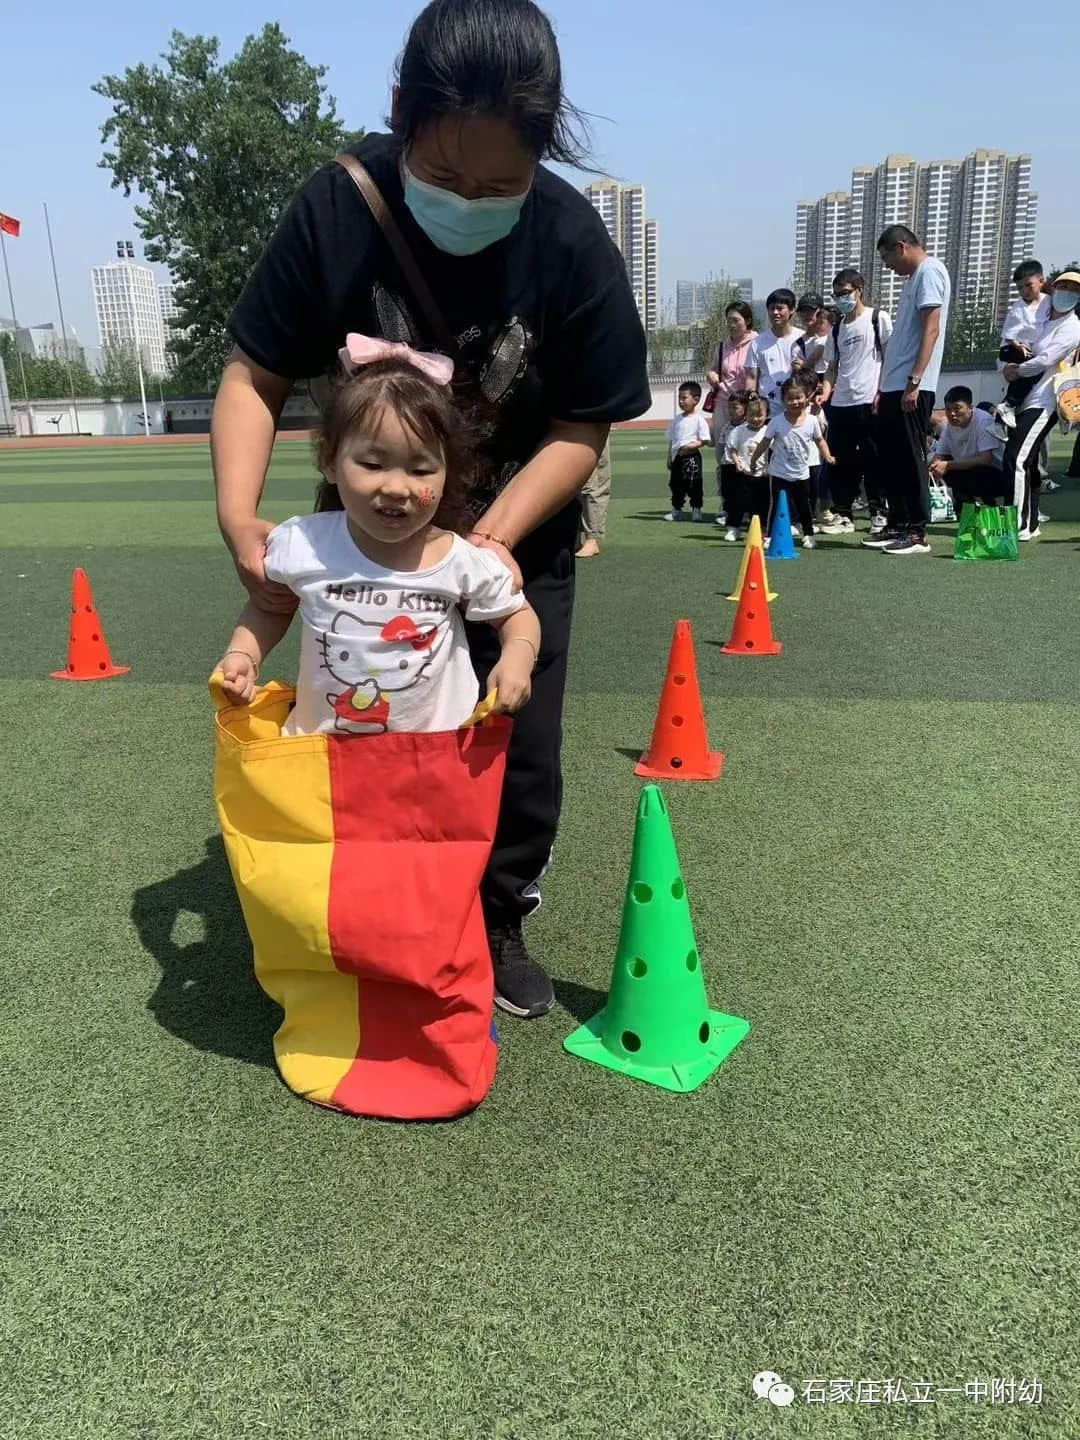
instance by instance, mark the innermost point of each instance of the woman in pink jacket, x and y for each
(729, 362)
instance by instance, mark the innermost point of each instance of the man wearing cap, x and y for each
(1057, 338)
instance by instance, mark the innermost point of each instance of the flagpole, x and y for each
(63, 327)
(15, 322)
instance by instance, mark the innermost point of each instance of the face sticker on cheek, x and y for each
(425, 497)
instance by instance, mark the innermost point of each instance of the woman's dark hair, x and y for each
(740, 307)
(489, 57)
(427, 410)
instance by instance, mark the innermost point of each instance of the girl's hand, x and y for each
(502, 552)
(247, 541)
(238, 677)
(512, 679)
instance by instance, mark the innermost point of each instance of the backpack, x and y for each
(878, 351)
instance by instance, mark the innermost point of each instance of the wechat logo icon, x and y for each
(767, 1385)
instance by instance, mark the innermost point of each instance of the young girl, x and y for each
(790, 440)
(382, 587)
(752, 488)
(727, 477)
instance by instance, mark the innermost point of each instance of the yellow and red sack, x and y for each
(358, 860)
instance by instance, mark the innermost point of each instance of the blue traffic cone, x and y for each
(781, 545)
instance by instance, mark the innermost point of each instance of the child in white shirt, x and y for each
(792, 441)
(687, 433)
(728, 484)
(383, 590)
(740, 452)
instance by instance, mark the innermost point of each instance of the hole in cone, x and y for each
(691, 960)
(703, 1033)
(678, 679)
(750, 615)
(749, 644)
(753, 584)
(102, 665)
(630, 1041)
(95, 637)
(676, 762)
(88, 608)
(638, 968)
(678, 889)
(676, 719)
(641, 894)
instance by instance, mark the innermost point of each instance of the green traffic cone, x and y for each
(657, 1025)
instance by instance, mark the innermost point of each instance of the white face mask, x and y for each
(1064, 300)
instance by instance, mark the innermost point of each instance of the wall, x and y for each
(124, 417)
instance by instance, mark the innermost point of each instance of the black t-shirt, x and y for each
(545, 322)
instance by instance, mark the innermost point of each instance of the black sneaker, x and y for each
(913, 544)
(522, 988)
(878, 539)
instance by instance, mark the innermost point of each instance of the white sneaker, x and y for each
(878, 523)
(1043, 517)
(675, 515)
(1030, 534)
(697, 515)
(1007, 415)
(860, 507)
(796, 531)
(767, 541)
(730, 536)
(1051, 485)
(838, 526)
(829, 517)
(720, 519)
(808, 542)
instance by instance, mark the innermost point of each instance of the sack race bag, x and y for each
(988, 532)
(357, 860)
(942, 509)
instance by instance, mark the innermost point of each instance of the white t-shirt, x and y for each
(383, 649)
(685, 428)
(858, 368)
(977, 438)
(740, 446)
(1056, 338)
(1024, 318)
(928, 287)
(770, 356)
(814, 347)
(794, 447)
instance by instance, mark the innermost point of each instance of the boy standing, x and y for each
(968, 452)
(909, 378)
(687, 433)
(855, 352)
(768, 364)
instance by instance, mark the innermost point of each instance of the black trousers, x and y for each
(1017, 390)
(731, 495)
(687, 479)
(757, 498)
(1074, 463)
(981, 485)
(798, 493)
(532, 793)
(1022, 479)
(853, 442)
(902, 448)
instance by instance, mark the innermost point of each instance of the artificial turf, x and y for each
(883, 1181)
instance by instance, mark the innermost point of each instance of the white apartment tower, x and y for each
(622, 209)
(129, 311)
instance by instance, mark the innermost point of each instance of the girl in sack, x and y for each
(383, 582)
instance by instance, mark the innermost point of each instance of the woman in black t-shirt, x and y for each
(547, 345)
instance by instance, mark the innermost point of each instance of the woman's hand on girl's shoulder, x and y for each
(247, 542)
(502, 551)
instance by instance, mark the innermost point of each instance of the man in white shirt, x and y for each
(854, 354)
(768, 363)
(909, 378)
(1057, 338)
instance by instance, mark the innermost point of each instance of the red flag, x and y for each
(9, 224)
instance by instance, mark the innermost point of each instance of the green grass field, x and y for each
(881, 1182)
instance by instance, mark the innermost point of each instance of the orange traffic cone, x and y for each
(680, 746)
(752, 632)
(88, 654)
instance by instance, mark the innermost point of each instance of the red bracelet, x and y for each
(495, 539)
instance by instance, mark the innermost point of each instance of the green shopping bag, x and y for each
(988, 532)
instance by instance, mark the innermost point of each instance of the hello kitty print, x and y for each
(383, 650)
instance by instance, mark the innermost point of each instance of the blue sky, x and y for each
(728, 119)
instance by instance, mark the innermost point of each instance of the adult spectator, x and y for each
(523, 287)
(1056, 338)
(728, 374)
(854, 355)
(595, 499)
(909, 379)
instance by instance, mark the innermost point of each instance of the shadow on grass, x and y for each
(207, 995)
(581, 1001)
(631, 753)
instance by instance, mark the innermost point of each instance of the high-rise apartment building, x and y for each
(976, 215)
(622, 209)
(129, 311)
(744, 289)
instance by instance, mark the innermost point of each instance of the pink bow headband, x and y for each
(361, 350)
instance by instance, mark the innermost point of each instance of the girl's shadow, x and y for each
(207, 994)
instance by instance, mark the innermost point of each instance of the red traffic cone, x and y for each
(88, 654)
(752, 632)
(680, 746)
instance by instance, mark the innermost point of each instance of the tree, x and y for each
(118, 374)
(216, 152)
(47, 377)
(971, 338)
(713, 330)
